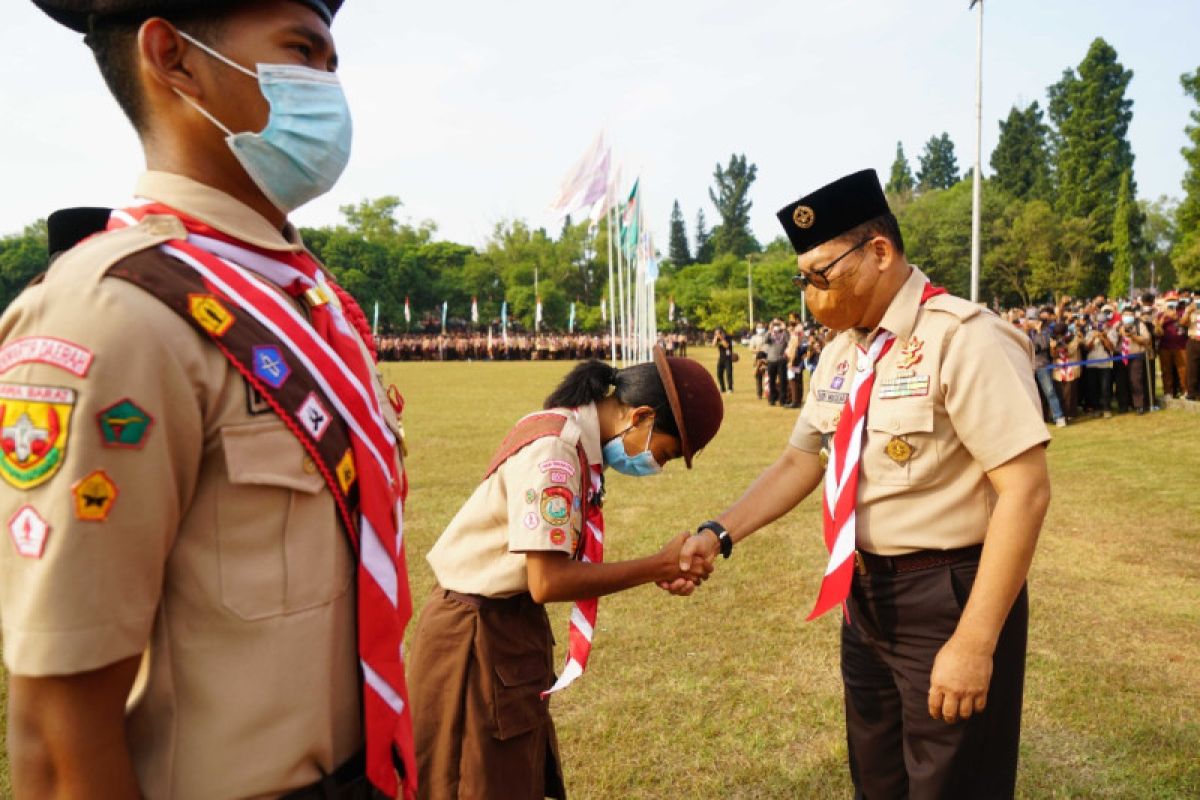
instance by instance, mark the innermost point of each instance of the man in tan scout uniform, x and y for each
(946, 446)
(179, 602)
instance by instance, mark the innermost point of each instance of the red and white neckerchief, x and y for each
(331, 349)
(583, 615)
(841, 473)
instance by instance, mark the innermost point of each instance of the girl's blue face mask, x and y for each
(305, 147)
(639, 466)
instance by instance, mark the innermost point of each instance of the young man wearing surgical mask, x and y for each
(213, 510)
(531, 533)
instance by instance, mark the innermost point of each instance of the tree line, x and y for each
(1061, 215)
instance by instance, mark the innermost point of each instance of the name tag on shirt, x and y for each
(826, 396)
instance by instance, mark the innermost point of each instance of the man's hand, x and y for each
(682, 572)
(958, 684)
(698, 554)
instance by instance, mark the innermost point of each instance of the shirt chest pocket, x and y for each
(900, 448)
(280, 548)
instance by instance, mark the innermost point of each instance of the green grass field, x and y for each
(730, 694)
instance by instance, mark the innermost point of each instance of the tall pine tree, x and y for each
(1186, 253)
(1121, 243)
(938, 164)
(1021, 160)
(704, 243)
(901, 180)
(680, 255)
(730, 194)
(1091, 115)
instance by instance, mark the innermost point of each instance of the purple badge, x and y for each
(837, 382)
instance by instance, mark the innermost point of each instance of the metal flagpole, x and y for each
(621, 291)
(977, 183)
(612, 292)
(536, 301)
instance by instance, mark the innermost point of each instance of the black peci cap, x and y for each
(76, 14)
(833, 209)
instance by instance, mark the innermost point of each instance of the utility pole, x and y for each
(977, 183)
(750, 291)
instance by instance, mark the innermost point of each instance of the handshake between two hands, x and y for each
(687, 561)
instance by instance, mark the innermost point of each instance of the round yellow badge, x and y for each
(804, 217)
(899, 450)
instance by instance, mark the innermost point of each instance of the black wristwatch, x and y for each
(723, 537)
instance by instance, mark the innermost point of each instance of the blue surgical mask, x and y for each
(638, 466)
(305, 146)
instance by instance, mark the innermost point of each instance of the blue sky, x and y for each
(472, 112)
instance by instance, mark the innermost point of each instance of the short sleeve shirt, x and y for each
(955, 393)
(532, 502)
(153, 506)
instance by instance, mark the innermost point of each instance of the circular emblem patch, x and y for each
(899, 450)
(531, 520)
(804, 217)
(558, 536)
(556, 504)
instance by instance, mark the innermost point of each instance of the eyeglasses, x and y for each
(816, 278)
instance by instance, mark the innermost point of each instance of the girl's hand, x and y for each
(682, 572)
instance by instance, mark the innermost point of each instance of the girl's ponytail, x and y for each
(589, 382)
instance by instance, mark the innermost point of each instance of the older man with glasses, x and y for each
(923, 420)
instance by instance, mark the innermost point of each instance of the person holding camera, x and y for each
(1098, 377)
(1066, 348)
(1040, 332)
(776, 349)
(1133, 337)
(1190, 321)
(1172, 338)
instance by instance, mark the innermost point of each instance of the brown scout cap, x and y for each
(695, 401)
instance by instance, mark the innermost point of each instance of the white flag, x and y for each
(579, 178)
(538, 313)
(474, 310)
(603, 309)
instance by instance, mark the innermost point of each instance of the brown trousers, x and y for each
(476, 668)
(898, 623)
(1173, 364)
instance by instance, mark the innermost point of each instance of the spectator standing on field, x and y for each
(776, 347)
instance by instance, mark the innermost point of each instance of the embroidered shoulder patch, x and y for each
(313, 416)
(210, 313)
(346, 472)
(94, 496)
(270, 366)
(558, 536)
(29, 531)
(46, 350)
(34, 429)
(560, 471)
(124, 424)
(556, 504)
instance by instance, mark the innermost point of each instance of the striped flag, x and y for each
(407, 313)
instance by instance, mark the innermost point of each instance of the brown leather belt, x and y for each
(348, 782)
(870, 564)
(482, 601)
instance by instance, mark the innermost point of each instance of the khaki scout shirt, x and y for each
(957, 388)
(530, 503)
(183, 523)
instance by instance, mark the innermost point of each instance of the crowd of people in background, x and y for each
(1091, 357)
(482, 346)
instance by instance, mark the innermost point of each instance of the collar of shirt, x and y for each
(901, 314)
(589, 433)
(217, 209)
